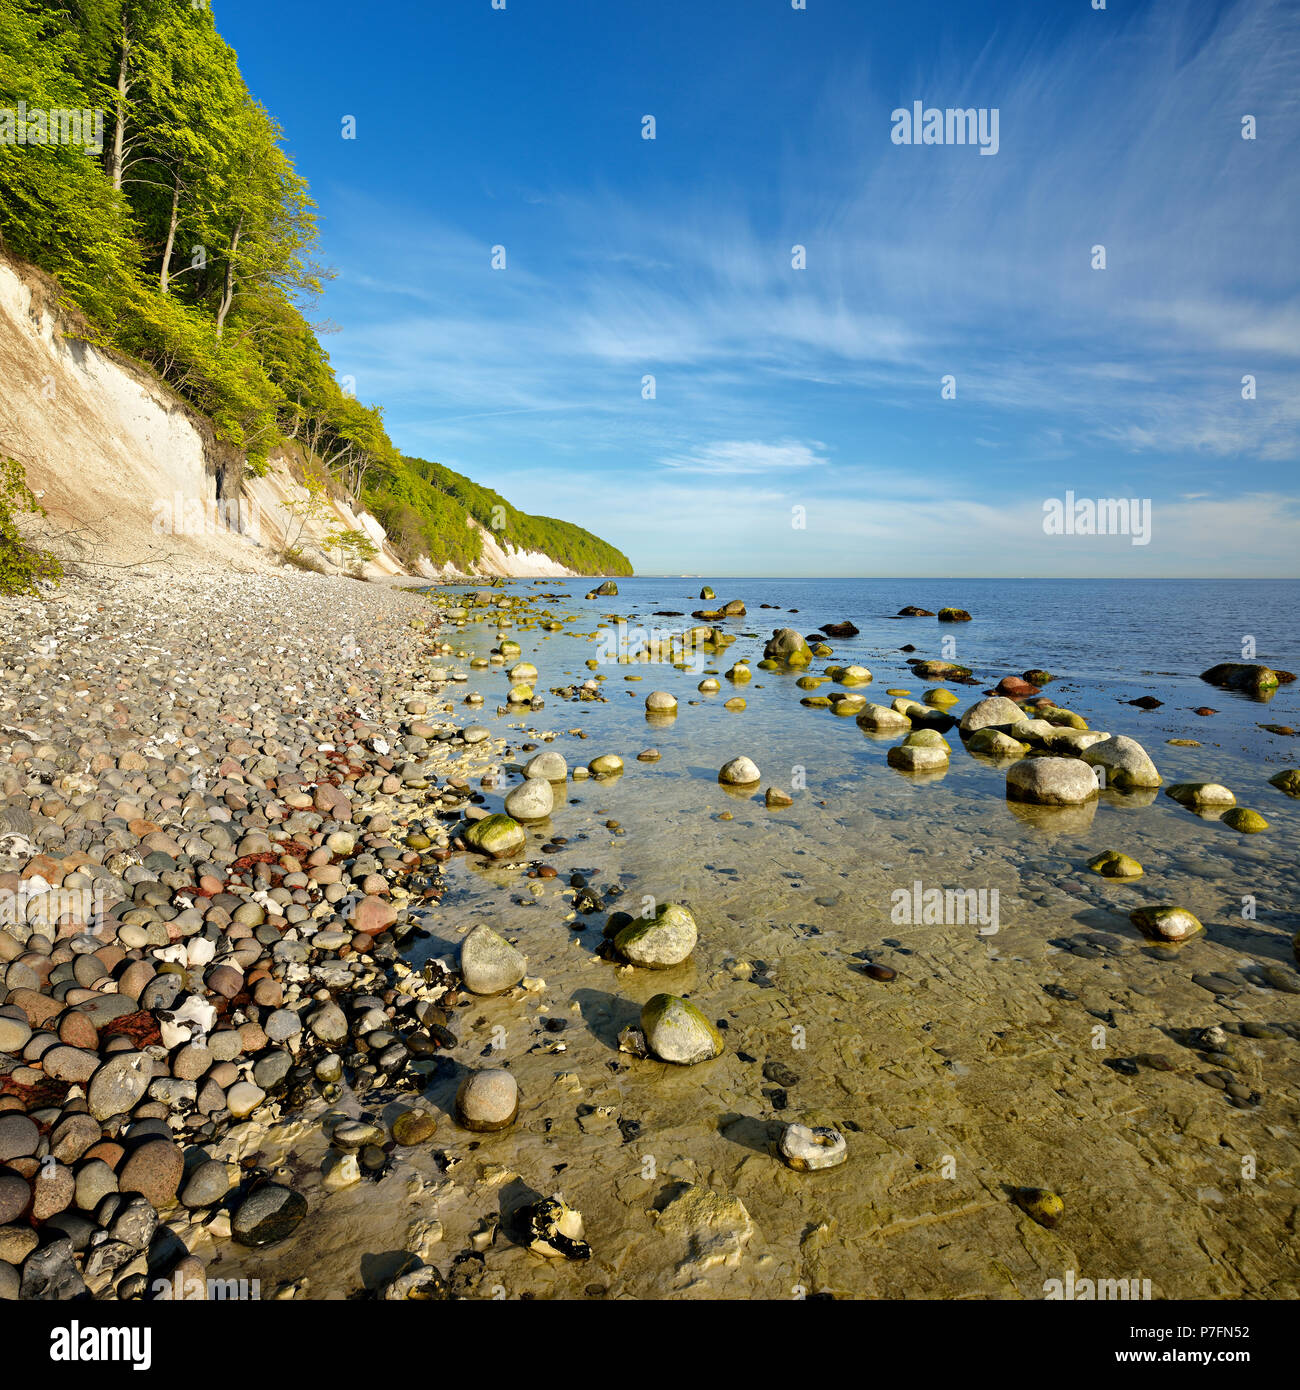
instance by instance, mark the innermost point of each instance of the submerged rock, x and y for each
(1126, 762)
(994, 743)
(788, 646)
(1112, 863)
(1165, 923)
(548, 765)
(882, 719)
(1242, 819)
(1288, 781)
(994, 712)
(1242, 675)
(532, 799)
(1198, 794)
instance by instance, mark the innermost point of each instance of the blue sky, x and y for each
(819, 388)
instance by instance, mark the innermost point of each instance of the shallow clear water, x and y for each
(984, 1065)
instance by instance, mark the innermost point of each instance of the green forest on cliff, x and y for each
(186, 241)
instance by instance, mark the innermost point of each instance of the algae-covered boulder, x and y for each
(658, 942)
(676, 1031)
(953, 615)
(496, 836)
(1112, 863)
(1200, 795)
(606, 765)
(1244, 820)
(993, 743)
(1126, 762)
(788, 646)
(849, 675)
(1288, 781)
(882, 719)
(1165, 923)
(706, 592)
(1243, 675)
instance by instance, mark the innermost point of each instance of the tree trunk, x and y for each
(166, 273)
(119, 132)
(228, 289)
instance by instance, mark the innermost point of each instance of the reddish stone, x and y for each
(1014, 688)
(77, 1030)
(372, 916)
(226, 981)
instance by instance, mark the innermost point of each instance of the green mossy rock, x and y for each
(496, 836)
(1242, 819)
(1166, 923)
(676, 1031)
(658, 942)
(1112, 864)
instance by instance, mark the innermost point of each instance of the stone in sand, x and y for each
(267, 1215)
(661, 941)
(489, 964)
(488, 1100)
(676, 1031)
(806, 1148)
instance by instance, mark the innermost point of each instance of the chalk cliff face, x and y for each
(133, 472)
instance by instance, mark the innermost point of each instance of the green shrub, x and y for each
(21, 565)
